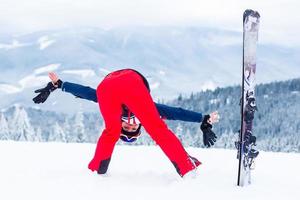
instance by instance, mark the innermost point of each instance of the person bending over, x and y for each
(126, 104)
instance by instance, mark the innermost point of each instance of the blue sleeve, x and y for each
(176, 113)
(80, 91)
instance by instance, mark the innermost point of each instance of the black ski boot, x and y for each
(250, 139)
(253, 153)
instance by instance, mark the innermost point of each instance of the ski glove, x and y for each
(45, 92)
(209, 137)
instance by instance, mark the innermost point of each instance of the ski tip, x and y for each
(252, 13)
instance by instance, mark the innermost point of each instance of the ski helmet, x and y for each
(130, 118)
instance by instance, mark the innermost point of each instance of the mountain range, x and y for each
(175, 60)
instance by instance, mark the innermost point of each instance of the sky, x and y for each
(280, 18)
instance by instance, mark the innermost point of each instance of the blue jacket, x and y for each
(166, 112)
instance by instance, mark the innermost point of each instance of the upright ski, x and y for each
(246, 152)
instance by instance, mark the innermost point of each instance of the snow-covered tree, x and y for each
(67, 130)
(180, 132)
(39, 135)
(4, 130)
(57, 134)
(78, 127)
(20, 126)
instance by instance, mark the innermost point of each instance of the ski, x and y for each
(247, 141)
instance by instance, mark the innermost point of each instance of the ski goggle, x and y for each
(127, 136)
(129, 139)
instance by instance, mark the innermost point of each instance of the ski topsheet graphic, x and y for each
(246, 152)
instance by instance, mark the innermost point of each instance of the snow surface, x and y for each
(45, 42)
(47, 68)
(84, 73)
(33, 80)
(30, 81)
(15, 44)
(208, 85)
(59, 171)
(154, 85)
(9, 89)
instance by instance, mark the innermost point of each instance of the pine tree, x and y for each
(67, 130)
(78, 127)
(4, 130)
(57, 134)
(39, 135)
(179, 132)
(20, 126)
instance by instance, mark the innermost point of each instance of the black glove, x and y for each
(45, 92)
(209, 137)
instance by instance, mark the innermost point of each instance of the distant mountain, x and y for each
(174, 60)
(276, 125)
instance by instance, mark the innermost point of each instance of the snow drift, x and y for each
(59, 171)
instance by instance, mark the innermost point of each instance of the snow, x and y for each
(214, 101)
(30, 81)
(208, 85)
(35, 79)
(59, 171)
(9, 89)
(105, 71)
(45, 42)
(220, 40)
(20, 127)
(15, 44)
(154, 85)
(84, 73)
(47, 68)
(161, 72)
(3, 127)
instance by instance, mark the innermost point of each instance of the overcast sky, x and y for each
(280, 18)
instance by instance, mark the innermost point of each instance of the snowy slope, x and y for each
(36, 79)
(59, 171)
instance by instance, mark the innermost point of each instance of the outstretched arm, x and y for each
(80, 91)
(173, 113)
(177, 113)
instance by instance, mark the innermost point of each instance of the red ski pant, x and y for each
(127, 87)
